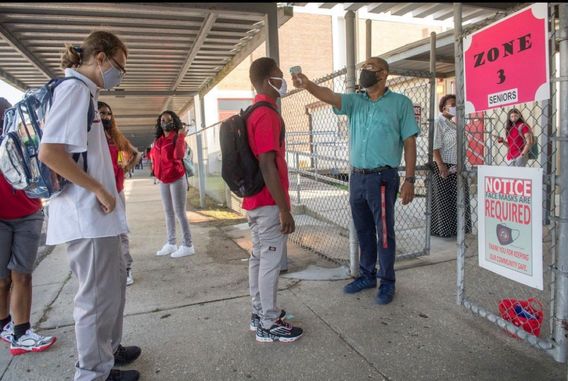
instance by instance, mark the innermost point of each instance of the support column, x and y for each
(200, 161)
(271, 28)
(350, 76)
(460, 107)
(431, 121)
(561, 281)
(273, 51)
(369, 38)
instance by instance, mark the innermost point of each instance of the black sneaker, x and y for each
(280, 331)
(125, 355)
(255, 320)
(123, 375)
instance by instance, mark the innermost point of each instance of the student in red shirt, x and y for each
(124, 157)
(519, 140)
(21, 219)
(268, 212)
(167, 165)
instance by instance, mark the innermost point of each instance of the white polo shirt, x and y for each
(75, 213)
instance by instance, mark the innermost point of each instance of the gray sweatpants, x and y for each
(124, 241)
(520, 161)
(99, 267)
(174, 196)
(268, 245)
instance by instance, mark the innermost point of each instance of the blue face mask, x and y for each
(112, 77)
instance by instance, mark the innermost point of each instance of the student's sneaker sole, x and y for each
(7, 340)
(41, 348)
(278, 339)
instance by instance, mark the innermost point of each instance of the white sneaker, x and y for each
(167, 249)
(7, 333)
(31, 342)
(129, 278)
(183, 251)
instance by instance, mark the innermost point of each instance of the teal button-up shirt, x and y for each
(378, 128)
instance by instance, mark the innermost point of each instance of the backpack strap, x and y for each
(51, 85)
(246, 113)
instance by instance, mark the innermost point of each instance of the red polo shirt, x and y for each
(167, 159)
(264, 126)
(516, 140)
(15, 203)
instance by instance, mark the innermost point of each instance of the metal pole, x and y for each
(273, 51)
(561, 283)
(458, 48)
(298, 178)
(200, 163)
(369, 38)
(350, 88)
(431, 122)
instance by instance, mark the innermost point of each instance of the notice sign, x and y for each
(506, 63)
(418, 114)
(510, 222)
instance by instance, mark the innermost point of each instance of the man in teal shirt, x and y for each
(382, 124)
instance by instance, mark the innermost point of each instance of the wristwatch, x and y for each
(410, 179)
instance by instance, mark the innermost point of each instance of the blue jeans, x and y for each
(370, 218)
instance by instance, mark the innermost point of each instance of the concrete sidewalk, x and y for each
(190, 316)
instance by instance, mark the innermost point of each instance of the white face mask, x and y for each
(283, 87)
(452, 111)
(111, 77)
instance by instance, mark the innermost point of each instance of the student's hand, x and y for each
(287, 223)
(444, 171)
(407, 193)
(300, 81)
(499, 138)
(106, 201)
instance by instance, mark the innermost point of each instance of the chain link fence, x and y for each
(488, 141)
(317, 142)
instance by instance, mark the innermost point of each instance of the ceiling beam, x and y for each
(208, 23)
(16, 44)
(145, 93)
(12, 80)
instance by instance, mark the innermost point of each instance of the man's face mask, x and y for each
(283, 86)
(505, 234)
(368, 78)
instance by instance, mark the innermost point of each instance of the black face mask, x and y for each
(168, 126)
(505, 235)
(368, 78)
(107, 124)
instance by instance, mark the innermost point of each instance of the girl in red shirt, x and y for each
(120, 148)
(519, 139)
(167, 165)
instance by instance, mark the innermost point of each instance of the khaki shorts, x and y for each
(19, 241)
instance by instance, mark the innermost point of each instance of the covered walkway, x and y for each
(190, 315)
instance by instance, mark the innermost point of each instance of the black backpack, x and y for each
(239, 166)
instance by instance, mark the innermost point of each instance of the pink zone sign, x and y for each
(506, 63)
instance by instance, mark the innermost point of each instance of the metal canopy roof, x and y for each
(176, 50)
(472, 12)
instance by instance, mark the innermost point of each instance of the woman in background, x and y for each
(519, 139)
(124, 157)
(167, 165)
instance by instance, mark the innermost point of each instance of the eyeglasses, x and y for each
(121, 68)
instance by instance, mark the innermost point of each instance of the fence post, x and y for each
(458, 48)
(431, 122)
(200, 163)
(561, 286)
(350, 88)
(298, 178)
